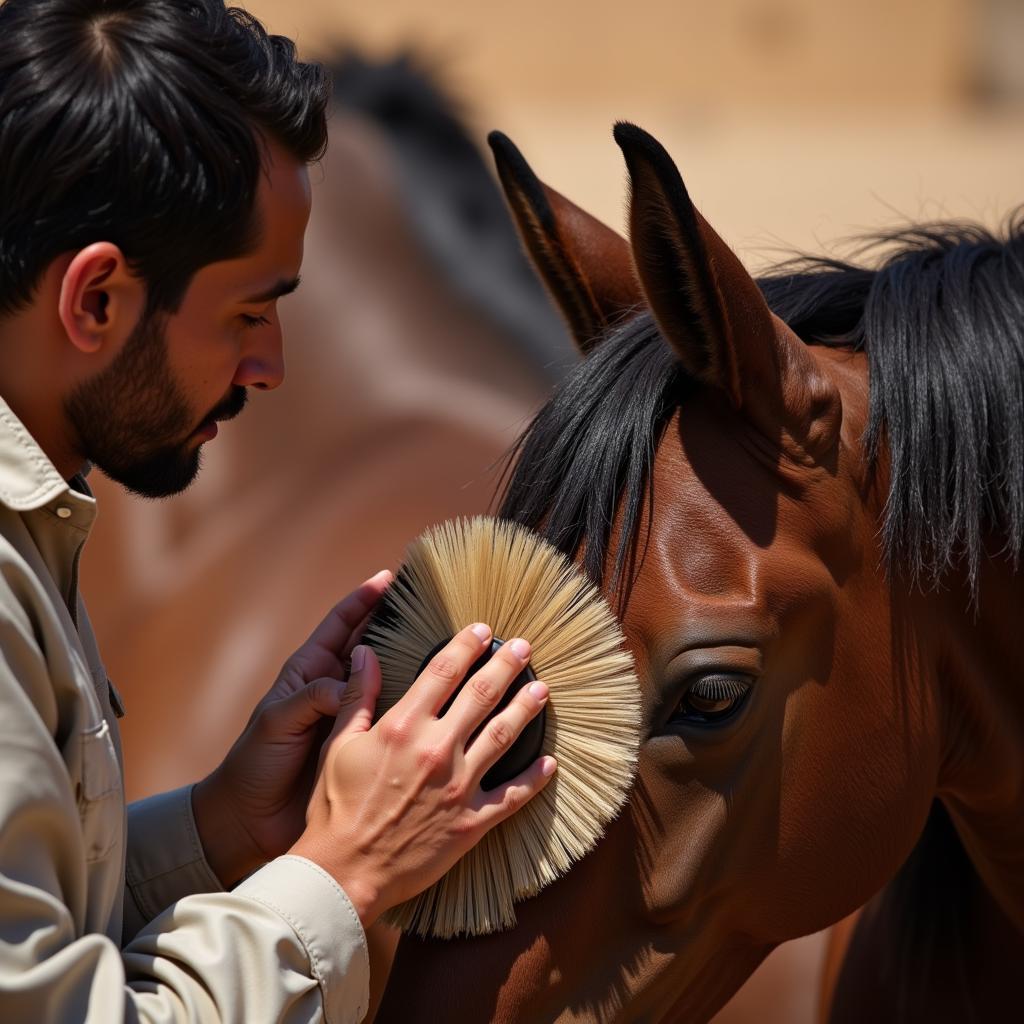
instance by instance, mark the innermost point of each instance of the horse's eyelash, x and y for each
(720, 687)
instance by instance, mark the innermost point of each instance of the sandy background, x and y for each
(794, 122)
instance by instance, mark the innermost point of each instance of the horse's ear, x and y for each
(710, 309)
(586, 266)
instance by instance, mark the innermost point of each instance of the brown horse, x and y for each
(818, 581)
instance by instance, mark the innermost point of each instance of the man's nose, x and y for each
(262, 365)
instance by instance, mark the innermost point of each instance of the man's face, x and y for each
(143, 418)
(135, 420)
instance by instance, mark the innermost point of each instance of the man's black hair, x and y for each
(142, 123)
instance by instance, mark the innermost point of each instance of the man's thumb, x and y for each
(360, 698)
(303, 709)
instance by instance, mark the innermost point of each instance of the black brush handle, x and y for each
(527, 746)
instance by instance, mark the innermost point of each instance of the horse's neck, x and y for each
(978, 666)
(934, 945)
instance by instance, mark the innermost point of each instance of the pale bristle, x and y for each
(493, 571)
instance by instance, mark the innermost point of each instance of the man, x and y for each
(153, 201)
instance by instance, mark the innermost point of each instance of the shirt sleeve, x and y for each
(284, 946)
(165, 860)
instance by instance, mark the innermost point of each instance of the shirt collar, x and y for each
(28, 479)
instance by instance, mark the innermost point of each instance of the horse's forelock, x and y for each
(591, 448)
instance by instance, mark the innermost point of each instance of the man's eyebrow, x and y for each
(275, 291)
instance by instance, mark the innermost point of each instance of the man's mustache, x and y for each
(231, 406)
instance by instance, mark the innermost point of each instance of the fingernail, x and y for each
(548, 766)
(538, 691)
(358, 658)
(384, 574)
(520, 648)
(481, 631)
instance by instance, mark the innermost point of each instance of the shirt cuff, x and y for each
(327, 925)
(165, 859)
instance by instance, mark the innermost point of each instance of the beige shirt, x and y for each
(108, 915)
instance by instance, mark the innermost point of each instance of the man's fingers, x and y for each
(486, 687)
(502, 730)
(497, 804)
(437, 682)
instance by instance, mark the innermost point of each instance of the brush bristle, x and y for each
(494, 571)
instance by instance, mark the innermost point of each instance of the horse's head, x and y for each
(787, 766)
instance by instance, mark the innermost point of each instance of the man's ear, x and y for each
(101, 300)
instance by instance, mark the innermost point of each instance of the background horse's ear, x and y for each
(711, 310)
(586, 266)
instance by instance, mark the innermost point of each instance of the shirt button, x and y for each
(64, 512)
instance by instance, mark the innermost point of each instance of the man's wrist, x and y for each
(227, 847)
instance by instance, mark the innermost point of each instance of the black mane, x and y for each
(940, 314)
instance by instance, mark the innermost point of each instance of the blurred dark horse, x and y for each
(819, 581)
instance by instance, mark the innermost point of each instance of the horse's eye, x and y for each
(713, 698)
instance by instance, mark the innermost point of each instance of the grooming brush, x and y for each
(494, 571)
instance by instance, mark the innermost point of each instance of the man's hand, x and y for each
(398, 803)
(252, 807)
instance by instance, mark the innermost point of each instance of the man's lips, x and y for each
(227, 410)
(207, 431)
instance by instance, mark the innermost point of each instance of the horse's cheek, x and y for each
(855, 791)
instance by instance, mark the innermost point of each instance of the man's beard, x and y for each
(133, 421)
